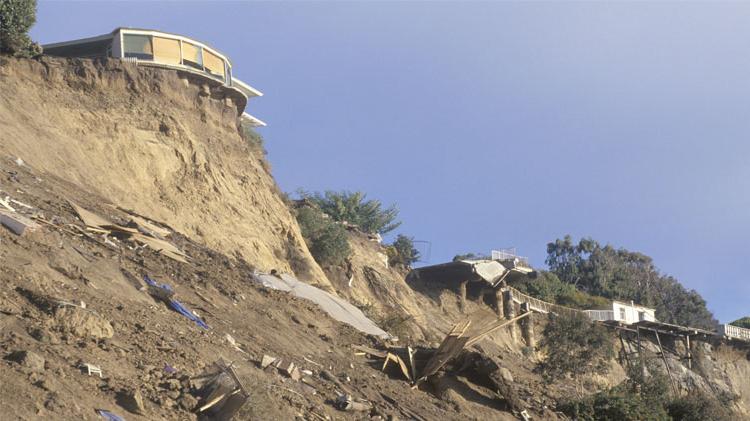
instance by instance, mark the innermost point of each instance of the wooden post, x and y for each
(499, 303)
(640, 354)
(666, 364)
(527, 326)
(462, 291)
(510, 311)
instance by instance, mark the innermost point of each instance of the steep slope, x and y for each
(154, 141)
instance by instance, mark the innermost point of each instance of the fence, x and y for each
(600, 315)
(539, 305)
(508, 254)
(736, 332)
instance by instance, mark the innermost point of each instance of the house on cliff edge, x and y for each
(146, 47)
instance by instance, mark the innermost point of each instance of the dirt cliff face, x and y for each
(153, 141)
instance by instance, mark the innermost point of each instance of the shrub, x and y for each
(616, 404)
(548, 287)
(402, 251)
(574, 346)
(471, 256)
(698, 406)
(352, 208)
(253, 138)
(16, 18)
(743, 322)
(325, 238)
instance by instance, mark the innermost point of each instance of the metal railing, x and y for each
(735, 332)
(508, 254)
(539, 305)
(600, 315)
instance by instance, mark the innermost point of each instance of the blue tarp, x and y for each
(109, 416)
(157, 285)
(176, 305)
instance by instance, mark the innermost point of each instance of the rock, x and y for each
(506, 374)
(166, 402)
(188, 402)
(132, 401)
(41, 335)
(172, 384)
(266, 361)
(173, 394)
(83, 323)
(28, 359)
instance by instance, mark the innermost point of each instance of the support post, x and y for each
(640, 354)
(462, 292)
(499, 303)
(527, 326)
(666, 364)
(624, 351)
(689, 352)
(510, 311)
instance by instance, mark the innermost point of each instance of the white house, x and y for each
(162, 49)
(624, 312)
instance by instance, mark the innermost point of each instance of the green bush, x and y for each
(252, 137)
(325, 238)
(402, 251)
(743, 322)
(616, 404)
(548, 287)
(16, 18)
(471, 256)
(698, 406)
(352, 208)
(574, 346)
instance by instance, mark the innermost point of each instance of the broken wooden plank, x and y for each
(17, 223)
(90, 219)
(451, 346)
(370, 351)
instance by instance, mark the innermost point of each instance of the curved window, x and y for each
(166, 50)
(192, 55)
(138, 46)
(213, 63)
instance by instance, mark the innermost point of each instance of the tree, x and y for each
(403, 251)
(16, 18)
(353, 208)
(743, 322)
(621, 274)
(326, 239)
(574, 346)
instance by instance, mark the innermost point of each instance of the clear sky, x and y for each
(500, 124)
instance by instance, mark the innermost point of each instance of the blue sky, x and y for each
(500, 124)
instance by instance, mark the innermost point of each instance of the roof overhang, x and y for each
(248, 90)
(253, 121)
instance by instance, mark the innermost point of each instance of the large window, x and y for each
(138, 46)
(213, 63)
(166, 50)
(192, 55)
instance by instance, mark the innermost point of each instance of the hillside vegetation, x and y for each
(620, 274)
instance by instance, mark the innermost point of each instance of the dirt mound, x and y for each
(151, 140)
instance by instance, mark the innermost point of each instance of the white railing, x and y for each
(539, 305)
(508, 254)
(600, 315)
(130, 60)
(735, 332)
